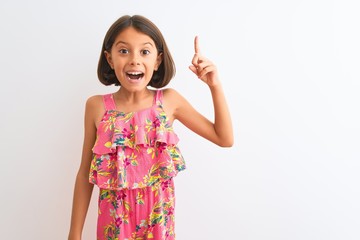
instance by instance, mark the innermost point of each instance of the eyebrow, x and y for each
(128, 44)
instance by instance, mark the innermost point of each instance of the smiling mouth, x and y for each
(134, 75)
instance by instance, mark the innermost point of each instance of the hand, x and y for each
(202, 67)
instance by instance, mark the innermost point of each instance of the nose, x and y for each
(135, 59)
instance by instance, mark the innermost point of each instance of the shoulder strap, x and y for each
(158, 97)
(109, 102)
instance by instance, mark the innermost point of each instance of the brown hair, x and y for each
(166, 70)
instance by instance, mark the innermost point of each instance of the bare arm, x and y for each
(83, 189)
(220, 130)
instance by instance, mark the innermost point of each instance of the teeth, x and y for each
(134, 73)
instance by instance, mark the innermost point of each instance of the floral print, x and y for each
(135, 158)
(138, 214)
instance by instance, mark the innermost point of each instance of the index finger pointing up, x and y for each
(196, 44)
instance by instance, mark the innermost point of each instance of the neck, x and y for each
(130, 97)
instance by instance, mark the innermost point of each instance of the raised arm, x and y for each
(220, 130)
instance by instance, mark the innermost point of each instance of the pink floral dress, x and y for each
(135, 158)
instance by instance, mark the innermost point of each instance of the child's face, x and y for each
(134, 58)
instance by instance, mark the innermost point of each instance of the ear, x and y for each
(158, 61)
(109, 59)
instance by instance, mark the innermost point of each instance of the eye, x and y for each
(123, 51)
(145, 52)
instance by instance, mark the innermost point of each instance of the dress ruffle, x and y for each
(135, 150)
(127, 130)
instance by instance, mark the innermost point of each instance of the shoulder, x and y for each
(94, 101)
(94, 106)
(170, 102)
(94, 109)
(174, 103)
(171, 95)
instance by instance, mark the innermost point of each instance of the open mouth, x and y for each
(134, 75)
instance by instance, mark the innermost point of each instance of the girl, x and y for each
(130, 149)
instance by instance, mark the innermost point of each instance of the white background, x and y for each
(290, 70)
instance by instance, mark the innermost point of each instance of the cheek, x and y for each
(119, 65)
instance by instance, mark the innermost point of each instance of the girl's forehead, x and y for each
(132, 36)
